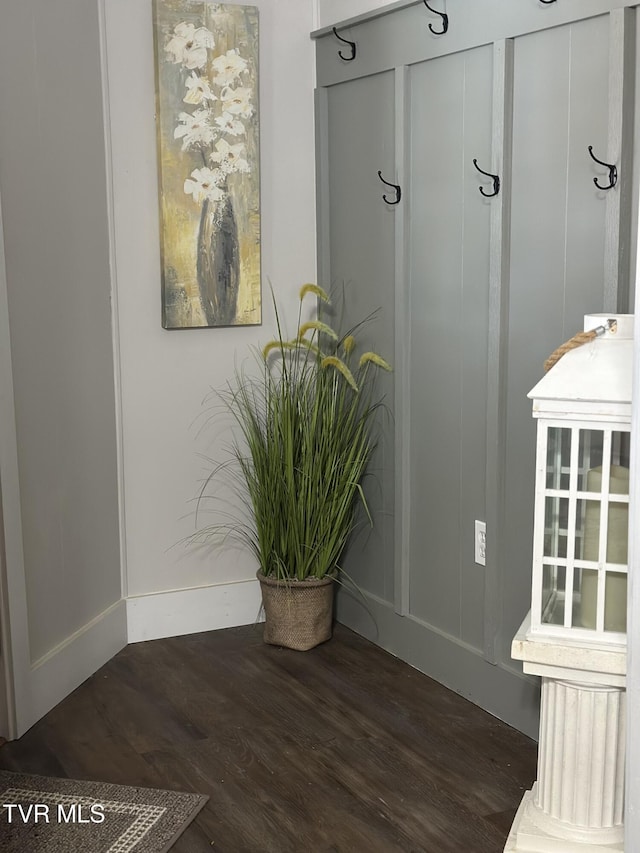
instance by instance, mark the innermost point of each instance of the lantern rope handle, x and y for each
(577, 341)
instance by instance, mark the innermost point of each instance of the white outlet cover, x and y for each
(480, 540)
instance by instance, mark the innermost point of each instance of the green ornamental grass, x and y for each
(303, 446)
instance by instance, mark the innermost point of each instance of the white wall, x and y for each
(58, 284)
(165, 375)
(58, 456)
(330, 12)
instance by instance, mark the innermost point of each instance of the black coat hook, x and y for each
(494, 178)
(445, 20)
(546, 2)
(351, 44)
(396, 188)
(613, 172)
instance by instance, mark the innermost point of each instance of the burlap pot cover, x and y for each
(298, 614)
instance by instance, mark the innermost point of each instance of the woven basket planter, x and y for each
(298, 614)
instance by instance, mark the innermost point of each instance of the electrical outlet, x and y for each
(480, 542)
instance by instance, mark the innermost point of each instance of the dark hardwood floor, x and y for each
(343, 748)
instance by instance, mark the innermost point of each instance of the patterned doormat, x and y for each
(39, 814)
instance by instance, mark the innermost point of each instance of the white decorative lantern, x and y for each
(583, 407)
(574, 636)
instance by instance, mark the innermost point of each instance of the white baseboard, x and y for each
(65, 667)
(188, 611)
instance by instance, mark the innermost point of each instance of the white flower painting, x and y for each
(207, 82)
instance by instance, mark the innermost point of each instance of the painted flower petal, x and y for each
(237, 101)
(189, 45)
(228, 67)
(204, 184)
(228, 124)
(198, 90)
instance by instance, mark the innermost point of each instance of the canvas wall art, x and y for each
(208, 152)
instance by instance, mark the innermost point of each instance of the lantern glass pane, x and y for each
(555, 526)
(558, 458)
(589, 458)
(553, 591)
(587, 541)
(581, 507)
(618, 532)
(615, 602)
(586, 597)
(620, 449)
(587, 545)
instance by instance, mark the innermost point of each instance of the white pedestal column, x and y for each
(577, 803)
(581, 762)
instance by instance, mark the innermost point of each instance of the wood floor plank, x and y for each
(343, 749)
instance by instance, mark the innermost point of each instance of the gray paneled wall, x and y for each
(474, 291)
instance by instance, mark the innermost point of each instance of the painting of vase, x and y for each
(208, 159)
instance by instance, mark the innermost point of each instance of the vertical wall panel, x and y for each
(557, 247)
(437, 124)
(361, 141)
(473, 330)
(449, 268)
(587, 125)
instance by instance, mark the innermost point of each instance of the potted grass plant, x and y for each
(301, 450)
